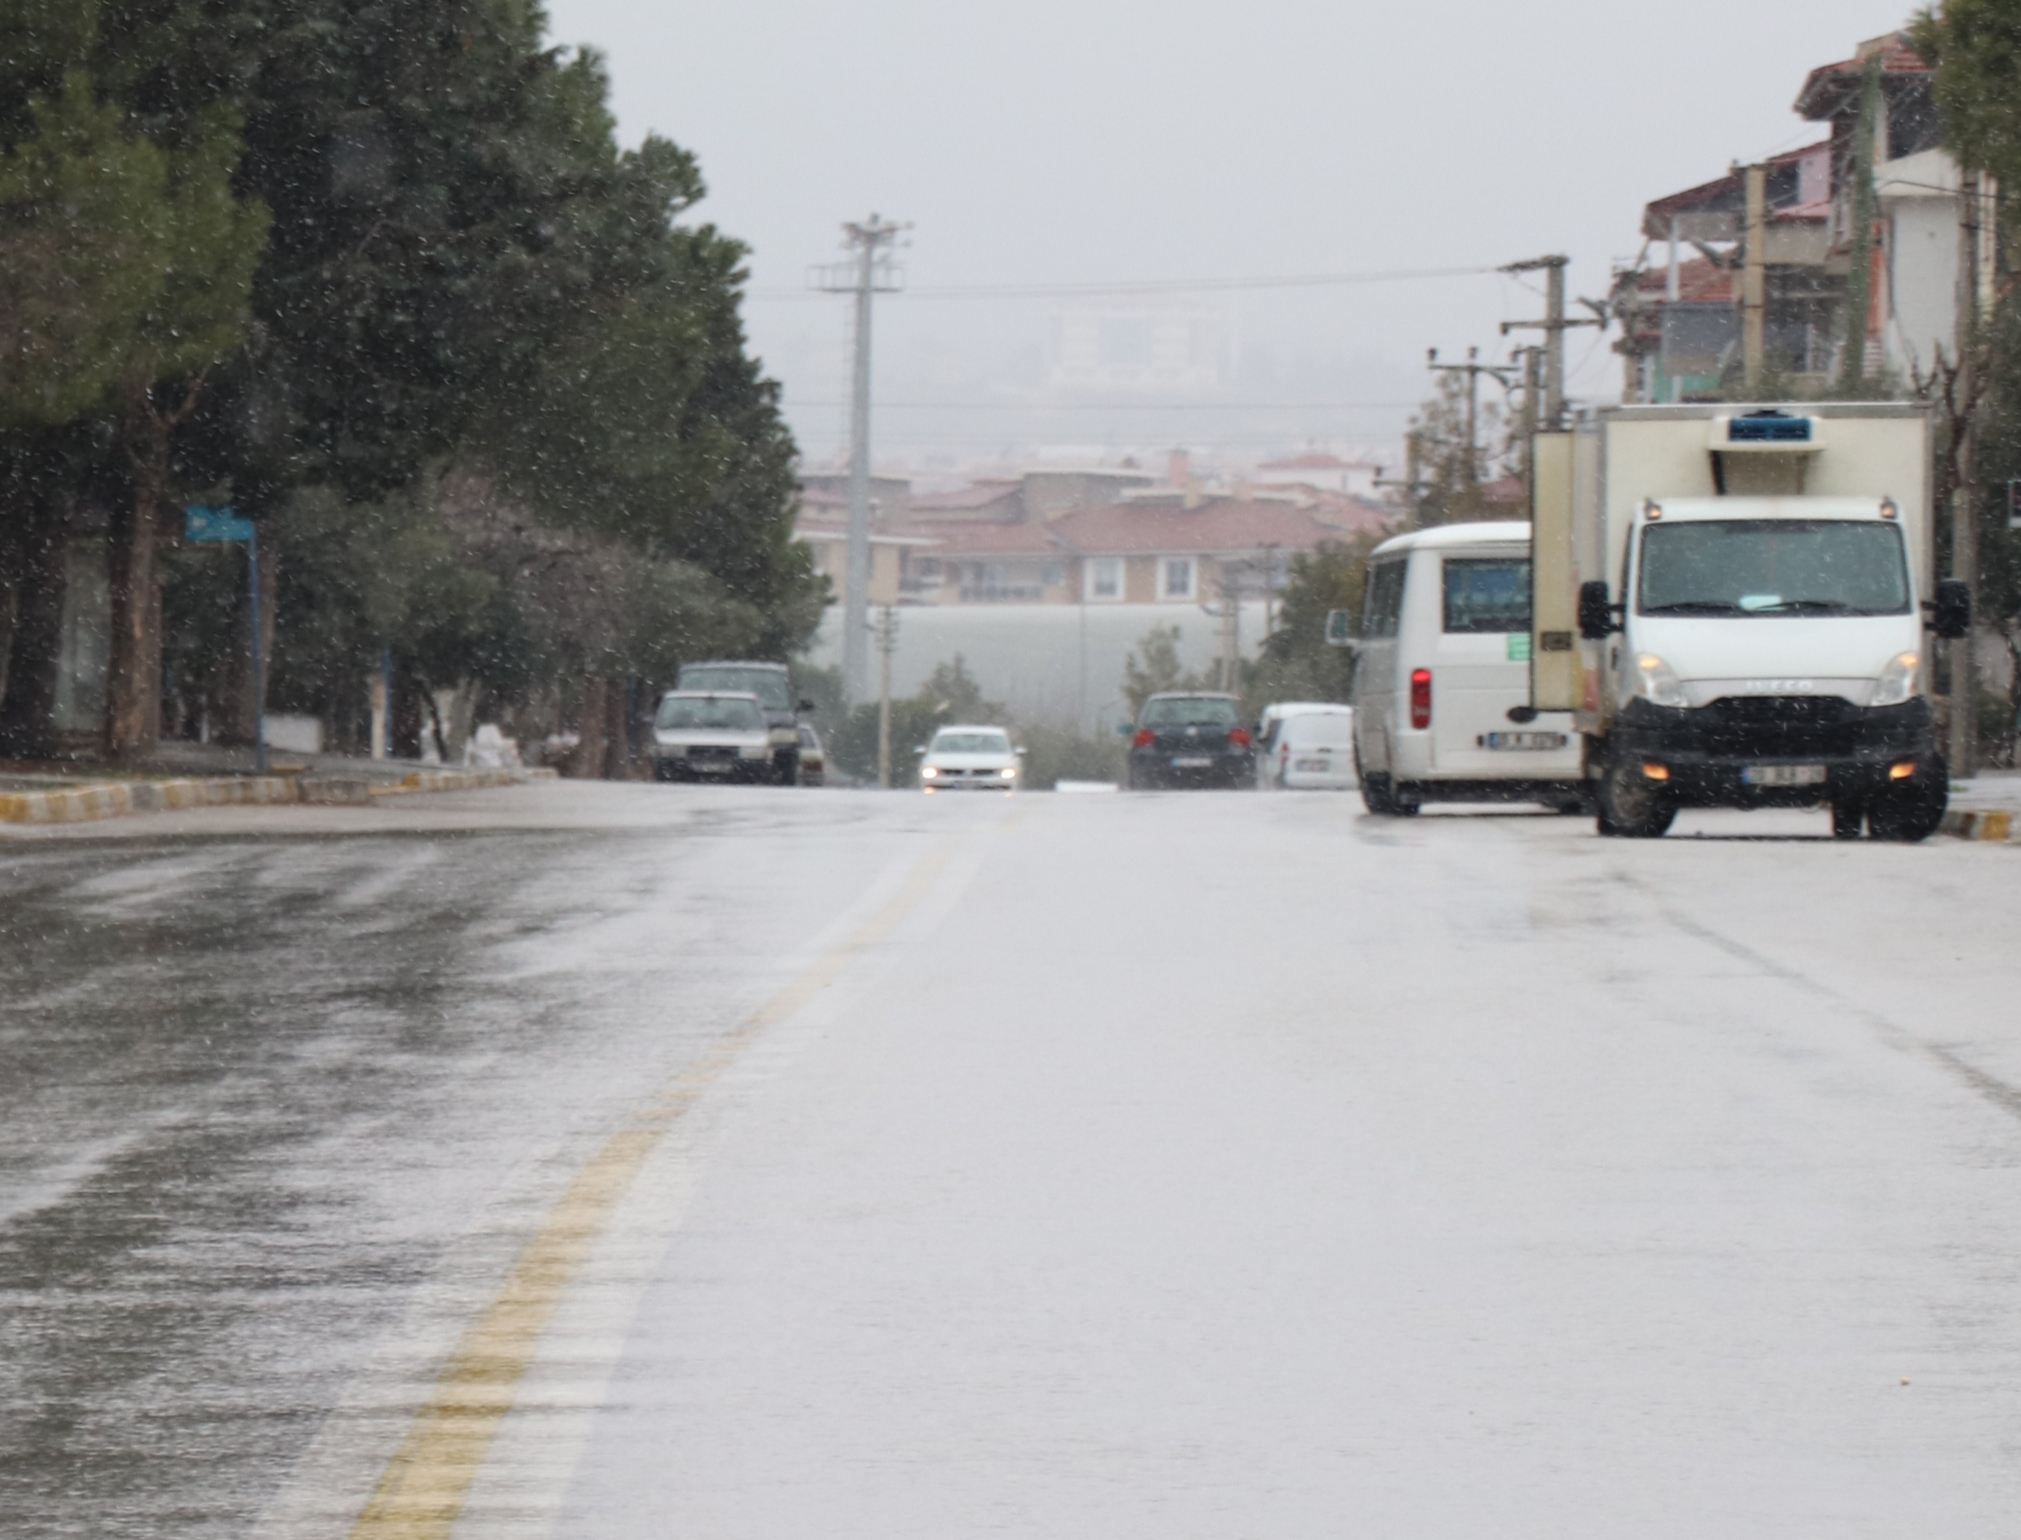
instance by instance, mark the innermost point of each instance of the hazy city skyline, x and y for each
(1103, 143)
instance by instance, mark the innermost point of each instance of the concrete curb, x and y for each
(444, 780)
(120, 799)
(1996, 825)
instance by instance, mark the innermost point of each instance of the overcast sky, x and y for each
(1062, 141)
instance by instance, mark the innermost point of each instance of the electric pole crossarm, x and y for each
(1554, 326)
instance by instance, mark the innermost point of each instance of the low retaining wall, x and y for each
(118, 799)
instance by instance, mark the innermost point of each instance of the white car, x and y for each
(699, 735)
(1312, 749)
(969, 759)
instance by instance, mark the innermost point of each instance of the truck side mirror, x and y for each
(1340, 628)
(1951, 615)
(1596, 613)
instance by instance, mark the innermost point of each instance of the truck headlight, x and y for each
(1898, 680)
(1657, 682)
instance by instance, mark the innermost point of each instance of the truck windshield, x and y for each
(1777, 567)
(768, 684)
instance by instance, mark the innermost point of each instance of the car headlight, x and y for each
(1008, 771)
(1657, 682)
(1898, 680)
(928, 772)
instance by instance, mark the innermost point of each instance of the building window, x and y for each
(1104, 577)
(1175, 577)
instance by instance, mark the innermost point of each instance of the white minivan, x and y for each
(1442, 677)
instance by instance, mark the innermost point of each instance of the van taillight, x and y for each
(1421, 697)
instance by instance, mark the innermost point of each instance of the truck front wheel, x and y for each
(1631, 806)
(1908, 813)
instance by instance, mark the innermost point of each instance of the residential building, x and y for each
(823, 526)
(1681, 319)
(1187, 549)
(1912, 305)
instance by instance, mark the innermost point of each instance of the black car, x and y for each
(1191, 739)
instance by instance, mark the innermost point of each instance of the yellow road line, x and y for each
(425, 1483)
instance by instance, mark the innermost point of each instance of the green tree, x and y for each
(1158, 669)
(1296, 662)
(1451, 470)
(124, 272)
(1975, 47)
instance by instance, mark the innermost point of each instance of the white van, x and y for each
(1442, 677)
(1309, 747)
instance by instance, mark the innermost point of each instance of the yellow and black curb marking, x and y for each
(1995, 825)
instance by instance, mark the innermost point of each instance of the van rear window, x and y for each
(1487, 593)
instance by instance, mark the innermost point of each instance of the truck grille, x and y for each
(1780, 725)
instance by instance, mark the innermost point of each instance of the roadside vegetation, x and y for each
(382, 280)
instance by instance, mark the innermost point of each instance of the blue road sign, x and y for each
(201, 523)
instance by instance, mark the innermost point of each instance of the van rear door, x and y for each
(1481, 667)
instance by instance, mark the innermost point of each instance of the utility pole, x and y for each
(1978, 221)
(1473, 369)
(887, 644)
(1531, 360)
(1554, 326)
(1413, 484)
(865, 274)
(1754, 280)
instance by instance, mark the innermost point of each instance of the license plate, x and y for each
(1312, 764)
(1192, 762)
(1532, 742)
(1783, 775)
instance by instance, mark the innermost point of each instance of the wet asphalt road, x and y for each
(1179, 1165)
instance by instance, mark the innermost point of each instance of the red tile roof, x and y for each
(1831, 89)
(978, 495)
(1699, 282)
(1218, 524)
(976, 537)
(1314, 462)
(1727, 194)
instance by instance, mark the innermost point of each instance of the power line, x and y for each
(958, 291)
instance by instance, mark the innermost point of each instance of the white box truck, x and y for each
(1732, 600)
